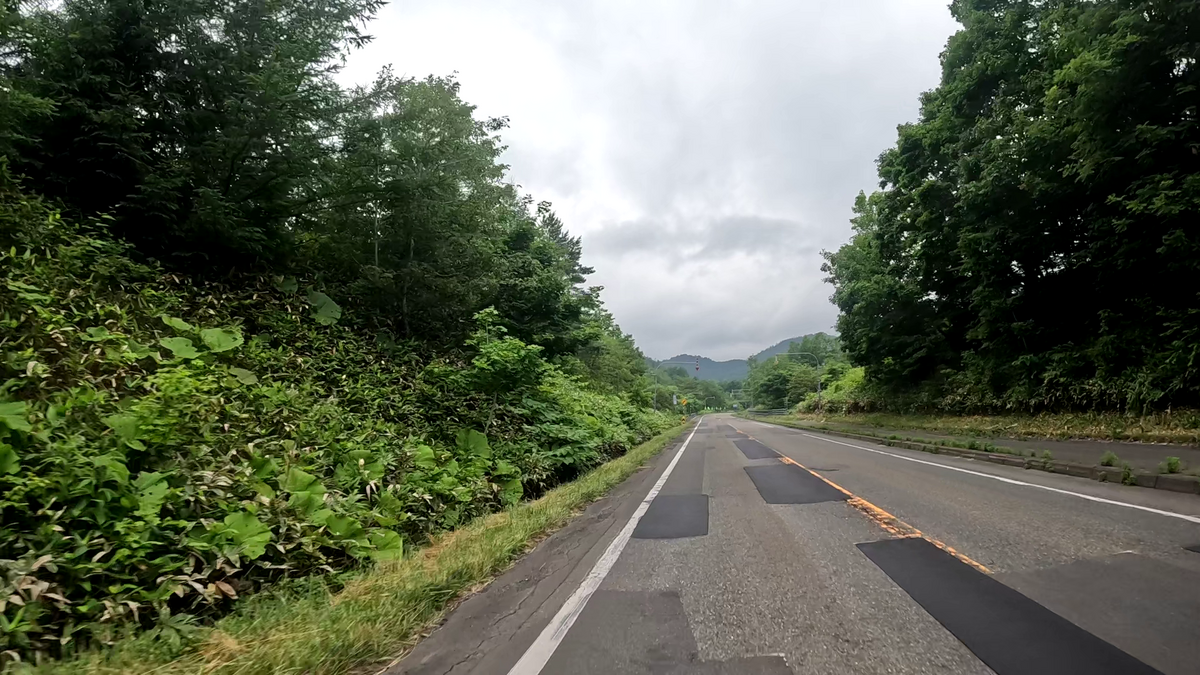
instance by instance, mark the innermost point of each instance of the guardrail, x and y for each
(773, 411)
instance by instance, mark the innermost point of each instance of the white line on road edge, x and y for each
(547, 641)
(1172, 514)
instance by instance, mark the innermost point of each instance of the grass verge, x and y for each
(799, 422)
(1173, 427)
(378, 615)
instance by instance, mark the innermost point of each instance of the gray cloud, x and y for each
(703, 239)
(706, 150)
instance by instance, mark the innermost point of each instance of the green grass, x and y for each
(1171, 465)
(1109, 458)
(379, 614)
(1173, 427)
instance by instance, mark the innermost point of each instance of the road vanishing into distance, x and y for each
(752, 548)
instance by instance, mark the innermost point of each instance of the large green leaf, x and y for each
(307, 493)
(114, 466)
(9, 461)
(325, 310)
(127, 428)
(423, 458)
(504, 468)
(511, 491)
(96, 334)
(177, 323)
(12, 415)
(137, 350)
(221, 339)
(319, 516)
(244, 376)
(152, 492)
(264, 467)
(247, 532)
(388, 545)
(181, 347)
(365, 463)
(473, 443)
(344, 527)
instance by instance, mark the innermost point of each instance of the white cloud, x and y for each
(706, 150)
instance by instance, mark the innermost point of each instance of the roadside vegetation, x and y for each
(1033, 248)
(378, 614)
(262, 334)
(1155, 428)
(675, 388)
(1029, 267)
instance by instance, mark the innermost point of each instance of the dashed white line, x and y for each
(535, 658)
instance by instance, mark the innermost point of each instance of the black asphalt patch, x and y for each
(1010, 633)
(754, 450)
(789, 484)
(674, 517)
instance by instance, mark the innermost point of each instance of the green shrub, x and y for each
(169, 446)
(839, 397)
(1171, 465)
(1109, 458)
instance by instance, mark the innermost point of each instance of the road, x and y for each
(768, 551)
(1144, 456)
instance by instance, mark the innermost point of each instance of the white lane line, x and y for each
(535, 658)
(1090, 498)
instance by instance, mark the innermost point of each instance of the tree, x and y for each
(1030, 247)
(194, 123)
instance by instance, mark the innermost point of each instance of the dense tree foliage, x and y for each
(258, 326)
(675, 386)
(784, 380)
(1034, 245)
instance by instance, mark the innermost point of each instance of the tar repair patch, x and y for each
(789, 484)
(674, 517)
(1010, 633)
(752, 449)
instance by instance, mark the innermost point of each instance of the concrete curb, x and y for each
(1109, 474)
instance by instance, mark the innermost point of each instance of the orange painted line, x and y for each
(887, 521)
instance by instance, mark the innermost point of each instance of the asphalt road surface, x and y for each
(763, 550)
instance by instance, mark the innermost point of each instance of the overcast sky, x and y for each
(706, 150)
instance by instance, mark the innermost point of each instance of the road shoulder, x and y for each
(491, 629)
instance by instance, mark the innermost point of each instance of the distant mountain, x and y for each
(777, 348)
(722, 371)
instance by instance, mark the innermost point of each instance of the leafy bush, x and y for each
(167, 446)
(953, 302)
(841, 394)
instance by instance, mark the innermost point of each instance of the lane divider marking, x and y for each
(890, 523)
(538, 653)
(1013, 481)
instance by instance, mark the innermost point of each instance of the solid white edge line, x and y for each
(1172, 514)
(538, 653)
